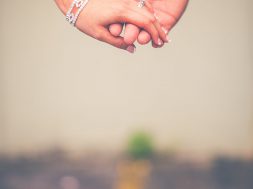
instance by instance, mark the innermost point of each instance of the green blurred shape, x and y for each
(140, 146)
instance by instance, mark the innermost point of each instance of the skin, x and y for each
(107, 12)
(167, 12)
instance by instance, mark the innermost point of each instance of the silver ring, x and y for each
(141, 3)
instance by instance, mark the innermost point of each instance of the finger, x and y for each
(160, 29)
(154, 45)
(131, 33)
(167, 24)
(149, 7)
(105, 36)
(142, 22)
(151, 15)
(116, 29)
(144, 37)
(158, 46)
(166, 20)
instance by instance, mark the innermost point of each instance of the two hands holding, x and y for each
(105, 20)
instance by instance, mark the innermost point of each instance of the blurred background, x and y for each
(76, 113)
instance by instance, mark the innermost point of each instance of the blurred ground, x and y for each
(54, 170)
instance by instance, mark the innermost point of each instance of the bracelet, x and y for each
(72, 15)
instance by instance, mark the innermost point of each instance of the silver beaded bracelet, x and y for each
(71, 16)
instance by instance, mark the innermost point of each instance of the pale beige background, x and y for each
(59, 87)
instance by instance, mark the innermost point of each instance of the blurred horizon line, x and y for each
(186, 155)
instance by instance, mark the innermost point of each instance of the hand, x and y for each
(167, 12)
(97, 15)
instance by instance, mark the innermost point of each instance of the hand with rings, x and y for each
(167, 12)
(103, 20)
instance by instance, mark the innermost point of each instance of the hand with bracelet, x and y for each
(97, 15)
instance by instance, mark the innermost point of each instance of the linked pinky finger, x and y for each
(116, 29)
(131, 33)
(144, 38)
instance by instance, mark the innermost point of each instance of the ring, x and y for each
(141, 3)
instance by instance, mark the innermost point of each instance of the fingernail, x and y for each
(165, 30)
(160, 42)
(131, 49)
(168, 40)
(155, 15)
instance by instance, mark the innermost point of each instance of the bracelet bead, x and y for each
(72, 16)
